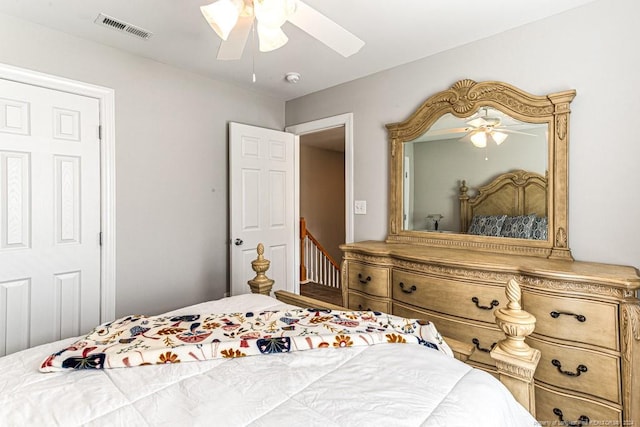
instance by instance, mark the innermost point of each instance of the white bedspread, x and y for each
(380, 385)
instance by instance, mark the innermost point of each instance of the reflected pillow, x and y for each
(487, 225)
(518, 227)
(539, 229)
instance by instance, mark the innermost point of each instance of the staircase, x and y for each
(316, 265)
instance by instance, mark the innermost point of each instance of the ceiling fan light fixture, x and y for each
(479, 139)
(498, 137)
(270, 38)
(222, 15)
(274, 13)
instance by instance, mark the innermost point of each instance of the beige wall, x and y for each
(171, 162)
(589, 49)
(322, 196)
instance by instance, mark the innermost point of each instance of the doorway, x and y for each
(325, 200)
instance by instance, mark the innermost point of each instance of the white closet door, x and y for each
(49, 215)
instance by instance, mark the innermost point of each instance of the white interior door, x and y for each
(262, 190)
(49, 215)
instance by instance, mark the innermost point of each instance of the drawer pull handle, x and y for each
(493, 303)
(408, 291)
(362, 309)
(580, 369)
(582, 420)
(476, 342)
(363, 281)
(579, 317)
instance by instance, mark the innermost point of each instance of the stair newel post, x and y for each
(303, 236)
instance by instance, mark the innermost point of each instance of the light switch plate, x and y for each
(360, 207)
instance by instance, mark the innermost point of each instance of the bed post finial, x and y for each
(515, 360)
(465, 213)
(260, 284)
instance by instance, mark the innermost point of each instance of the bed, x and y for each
(513, 204)
(383, 384)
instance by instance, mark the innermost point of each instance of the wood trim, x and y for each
(630, 338)
(306, 302)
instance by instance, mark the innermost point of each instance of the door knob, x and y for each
(238, 242)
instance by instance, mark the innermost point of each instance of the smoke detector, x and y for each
(292, 77)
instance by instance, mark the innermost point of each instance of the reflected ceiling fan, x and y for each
(233, 20)
(482, 129)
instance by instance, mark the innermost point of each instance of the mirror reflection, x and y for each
(476, 150)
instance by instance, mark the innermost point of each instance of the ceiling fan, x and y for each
(233, 20)
(486, 126)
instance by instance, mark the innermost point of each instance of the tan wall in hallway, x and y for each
(322, 196)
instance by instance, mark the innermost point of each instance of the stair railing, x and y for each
(316, 265)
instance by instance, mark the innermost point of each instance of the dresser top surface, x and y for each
(626, 277)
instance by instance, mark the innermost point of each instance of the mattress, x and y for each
(383, 384)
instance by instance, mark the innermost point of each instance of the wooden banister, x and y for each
(316, 247)
(323, 250)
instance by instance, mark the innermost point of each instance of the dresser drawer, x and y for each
(474, 302)
(585, 371)
(362, 302)
(574, 319)
(369, 279)
(483, 338)
(552, 407)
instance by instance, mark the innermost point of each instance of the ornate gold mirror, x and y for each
(483, 166)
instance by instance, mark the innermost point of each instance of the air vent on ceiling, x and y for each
(119, 25)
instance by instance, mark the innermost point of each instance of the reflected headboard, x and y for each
(513, 193)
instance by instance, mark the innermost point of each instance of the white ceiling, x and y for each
(395, 32)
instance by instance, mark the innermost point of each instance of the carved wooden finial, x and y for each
(516, 323)
(463, 187)
(260, 284)
(515, 360)
(514, 295)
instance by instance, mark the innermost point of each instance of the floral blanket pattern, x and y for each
(140, 340)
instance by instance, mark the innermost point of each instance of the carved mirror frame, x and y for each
(462, 100)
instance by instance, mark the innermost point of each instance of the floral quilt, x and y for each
(140, 340)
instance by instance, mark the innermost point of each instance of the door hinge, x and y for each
(100, 132)
(100, 238)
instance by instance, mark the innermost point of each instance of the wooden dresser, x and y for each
(588, 318)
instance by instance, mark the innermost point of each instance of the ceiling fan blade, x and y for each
(447, 131)
(233, 47)
(325, 30)
(477, 122)
(466, 138)
(514, 131)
